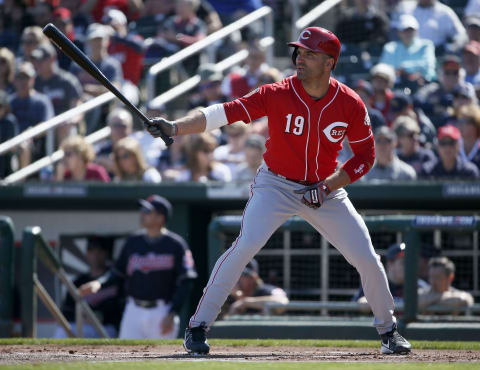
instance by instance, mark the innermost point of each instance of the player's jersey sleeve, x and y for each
(361, 141)
(249, 107)
(184, 264)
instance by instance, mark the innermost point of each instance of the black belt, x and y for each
(301, 182)
(145, 304)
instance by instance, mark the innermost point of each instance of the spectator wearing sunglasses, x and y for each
(387, 165)
(449, 165)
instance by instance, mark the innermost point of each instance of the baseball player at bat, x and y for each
(309, 115)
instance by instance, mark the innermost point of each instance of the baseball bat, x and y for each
(74, 53)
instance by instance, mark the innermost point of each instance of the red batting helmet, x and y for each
(317, 39)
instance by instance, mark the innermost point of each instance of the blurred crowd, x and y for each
(415, 64)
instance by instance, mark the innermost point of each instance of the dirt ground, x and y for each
(14, 354)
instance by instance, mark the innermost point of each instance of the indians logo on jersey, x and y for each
(150, 262)
(335, 131)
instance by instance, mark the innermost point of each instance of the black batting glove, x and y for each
(314, 195)
(158, 127)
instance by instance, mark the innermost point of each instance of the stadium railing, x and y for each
(286, 250)
(299, 23)
(7, 258)
(171, 61)
(35, 247)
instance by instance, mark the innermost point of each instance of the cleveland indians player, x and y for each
(309, 115)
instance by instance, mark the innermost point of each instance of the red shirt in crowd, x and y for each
(94, 172)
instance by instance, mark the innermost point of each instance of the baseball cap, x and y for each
(114, 16)
(209, 73)
(449, 131)
(44, 51)
(251, 268)
(451, 62)
(27, 69)
(405, 125)
(385, 131)
(157, 203)
(472, 20)
(384, 70)
(255, 141)
(400, 101)
(97, 30)
(363, 85)
(464, 91)
(472, 47)
(62, 13)
(407, 21)
(394, 251)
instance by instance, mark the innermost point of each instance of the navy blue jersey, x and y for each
(154, 268)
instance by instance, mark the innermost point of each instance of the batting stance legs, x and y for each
(271, 203)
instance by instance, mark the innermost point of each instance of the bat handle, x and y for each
(167, 139)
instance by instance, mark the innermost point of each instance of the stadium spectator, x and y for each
(449, 165)
(30, 108)
(243, 80)
(120, 122)
(157, 269)
(97, 8)
(62, 19)
(127, 48)
(387, 164)
(209, 89)
(207, 13)
(362, 23)
(462, 95)
(472, 8)
(254, 149)
(412, 57)
(382, 77)
(8, 129)
(200, 165)
(107, 303)
(402, 105)
(409, 149)
(152, 149)
(472, 23)
(80, 20)
(438, 23)
(441, 273)
(181, 30)
(471, 63)
(250, 295)
(395, 269)
(7, 70)
(130, 164)
(232, 153)
(78, 163)
(43, 13)
(98, 37)
(63, 88)
(14, 18)
(152, 17)
(365, 90)
(32, 38)
(230, 11)
(436, 98)
(469, 124)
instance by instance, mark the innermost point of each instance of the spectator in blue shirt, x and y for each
(471, 62)
(449, 165)
(412, 57)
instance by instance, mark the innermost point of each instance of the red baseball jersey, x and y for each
(306, 134)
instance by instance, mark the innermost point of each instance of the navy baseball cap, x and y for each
(251, 268)
(157, 203)
(399, 101)
(395, 251)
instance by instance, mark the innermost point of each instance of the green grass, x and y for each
(207, 365)
(475, 346)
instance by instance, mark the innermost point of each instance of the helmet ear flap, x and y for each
(294, 55)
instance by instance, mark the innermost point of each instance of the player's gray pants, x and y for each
(272, 202)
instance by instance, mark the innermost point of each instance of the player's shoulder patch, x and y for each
(252, 92)
(366, 120)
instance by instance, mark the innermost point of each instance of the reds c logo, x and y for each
(305, 35)
(335, 131)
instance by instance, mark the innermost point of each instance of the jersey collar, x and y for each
(307, 98)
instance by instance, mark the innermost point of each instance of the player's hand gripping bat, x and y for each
(74, 53)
